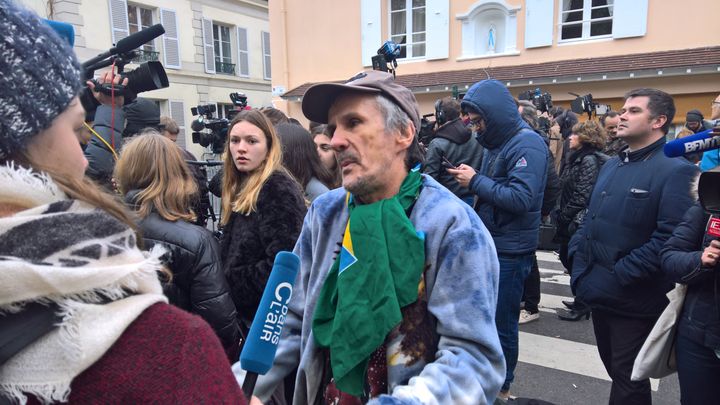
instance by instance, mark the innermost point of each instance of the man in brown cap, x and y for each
(395, 300)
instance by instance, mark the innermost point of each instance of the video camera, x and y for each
(147, 76)
(585, 104)
(387, 55)
(427, 129)
(217, 127)
(541, 100)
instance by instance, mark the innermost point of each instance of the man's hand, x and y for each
(711, 254)
(255, 401)
(105, 99)
(463, 174)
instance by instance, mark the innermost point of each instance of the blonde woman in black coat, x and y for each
(262, 206)
(158, 184)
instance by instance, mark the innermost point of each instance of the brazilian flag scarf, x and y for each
(376, 273)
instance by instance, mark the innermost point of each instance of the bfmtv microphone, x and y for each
(261, 344)
(699, 142)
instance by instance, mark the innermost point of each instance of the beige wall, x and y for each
(323, 38)
(320, 40)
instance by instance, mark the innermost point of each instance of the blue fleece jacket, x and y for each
(462, 285)
(512, 178)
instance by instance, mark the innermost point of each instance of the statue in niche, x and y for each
(492, 32)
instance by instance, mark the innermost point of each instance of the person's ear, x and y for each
(659, 121)
(405, 138)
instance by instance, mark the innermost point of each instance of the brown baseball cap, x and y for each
(319, 98)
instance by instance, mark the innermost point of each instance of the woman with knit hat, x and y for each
(82, 314)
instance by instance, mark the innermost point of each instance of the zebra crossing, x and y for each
(558, 360)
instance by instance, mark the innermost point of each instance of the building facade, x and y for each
(210, 48)
(598, 47)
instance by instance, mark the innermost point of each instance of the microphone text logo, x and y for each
(275, 318)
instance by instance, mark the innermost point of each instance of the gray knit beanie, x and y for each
(39, 76)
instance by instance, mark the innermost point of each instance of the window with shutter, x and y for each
(266, 55)
(171, 40)
(208, 45)
(177, 113)
(243, 56)
(119, 19)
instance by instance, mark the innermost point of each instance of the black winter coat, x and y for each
(634, 208)
(680, 260)
(250, 242)
(198, 284)
(454, 142)
(577, 181)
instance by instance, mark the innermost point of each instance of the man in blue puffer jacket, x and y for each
(509, 188)
(639, 198)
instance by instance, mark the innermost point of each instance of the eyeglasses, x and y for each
(475, 121)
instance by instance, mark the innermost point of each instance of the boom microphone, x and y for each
(700, 142)
(258, 353)
(128, 43)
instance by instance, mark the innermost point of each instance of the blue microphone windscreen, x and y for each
(258, 353)
(689, 144)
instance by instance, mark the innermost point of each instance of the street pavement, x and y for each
(558, 360)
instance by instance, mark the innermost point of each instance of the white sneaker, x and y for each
(526, 316)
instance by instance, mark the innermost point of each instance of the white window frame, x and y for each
(409, 30)
(586, 21)
(220, 41)
(141, 27)
(222, 109)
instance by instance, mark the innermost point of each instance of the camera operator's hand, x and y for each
(463, 174)
(108, 78)
(711, 254)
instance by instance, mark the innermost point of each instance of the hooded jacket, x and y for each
(511, 180)
(454, 142)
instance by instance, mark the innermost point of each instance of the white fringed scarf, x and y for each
(67, 252)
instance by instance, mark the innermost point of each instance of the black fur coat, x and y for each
(250, 242)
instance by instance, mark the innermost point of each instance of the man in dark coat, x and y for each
(639, 198)
(113, 126)
(452, 145)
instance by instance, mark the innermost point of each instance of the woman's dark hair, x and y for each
(566, 120)
(274, 115)
(300, 156)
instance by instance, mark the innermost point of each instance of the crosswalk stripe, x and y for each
(555, 278)
(550, 303)
(565, 355)
(561, 354)
(547, 256)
